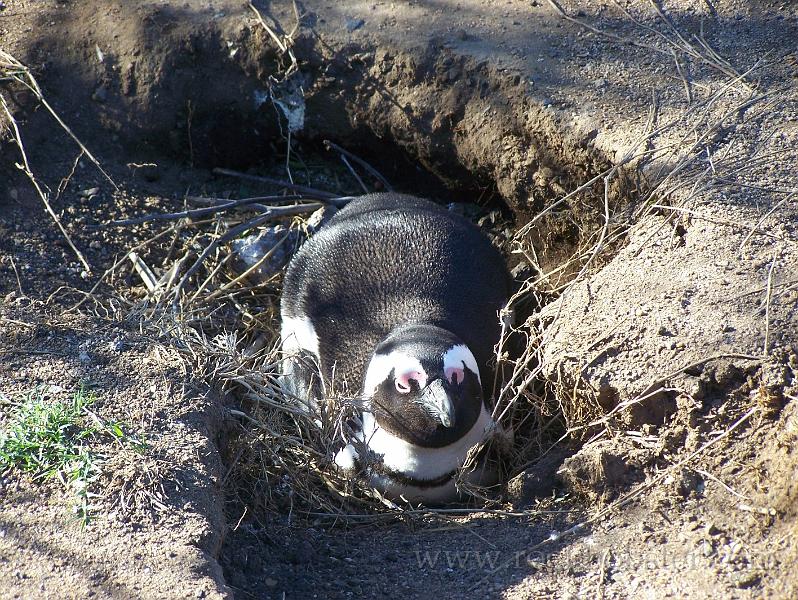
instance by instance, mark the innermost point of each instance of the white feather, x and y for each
(458, 355)
(381, 365)
(298, 334)
(419, 462)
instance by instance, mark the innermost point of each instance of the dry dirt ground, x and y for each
(647, 151)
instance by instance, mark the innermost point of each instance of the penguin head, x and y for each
(423, 386)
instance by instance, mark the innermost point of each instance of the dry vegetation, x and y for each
(225, 318)
(197, 295)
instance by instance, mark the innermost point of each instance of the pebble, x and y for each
(87, 193)
(250, 251)
(354, 24)
(100, 94)
(748, 579)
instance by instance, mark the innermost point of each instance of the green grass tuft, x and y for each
(55, 439)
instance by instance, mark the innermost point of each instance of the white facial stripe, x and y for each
(456, 356)
(419, 462)
(381, 366)
(298, 334)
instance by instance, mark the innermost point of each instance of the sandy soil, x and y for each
(679, 337)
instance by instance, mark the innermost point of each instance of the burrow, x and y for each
(436, 124)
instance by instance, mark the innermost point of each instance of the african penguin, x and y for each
(399, 299)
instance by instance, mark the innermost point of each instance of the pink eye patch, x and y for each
(403, 380)
(454, 375)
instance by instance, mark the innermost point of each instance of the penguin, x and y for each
(399, 300)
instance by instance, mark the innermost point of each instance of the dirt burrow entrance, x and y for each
(164, 92)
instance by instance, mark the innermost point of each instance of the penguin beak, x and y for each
(436, 402)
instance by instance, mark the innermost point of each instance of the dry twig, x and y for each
(25, 166)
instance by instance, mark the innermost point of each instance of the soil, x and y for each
(673, 357)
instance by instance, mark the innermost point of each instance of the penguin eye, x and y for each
(454, 375)
(403, 381)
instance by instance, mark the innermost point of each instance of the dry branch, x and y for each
(371, 170)
(25, 166)
(327, 197)
(23, 75)
(274, 211)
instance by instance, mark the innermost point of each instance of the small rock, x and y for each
(686, 482)
(521, 271)
(354, 24)
(595, 470)
(250, 250)
(269, 582)
(84, 357)
(538, 480)
(320, 217)
(100, 94)
(748, 579)
(88, 193)
(95, 244)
